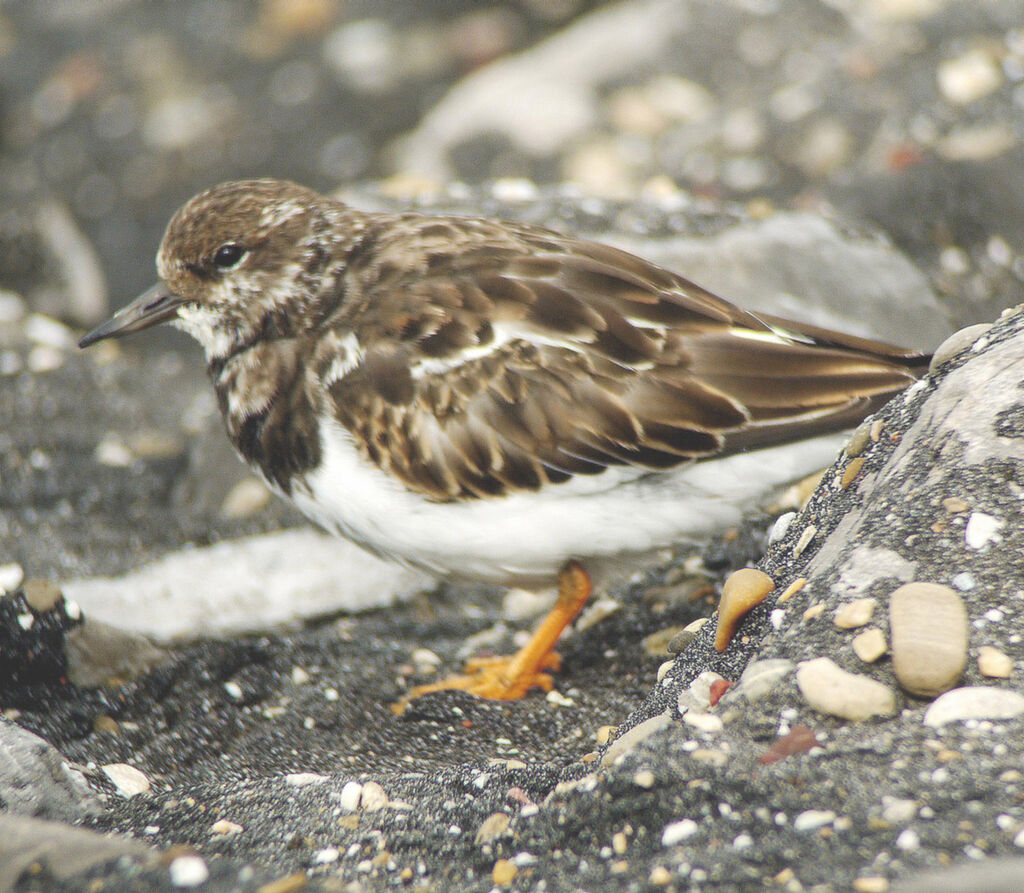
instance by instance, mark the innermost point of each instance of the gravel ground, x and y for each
(871, 155)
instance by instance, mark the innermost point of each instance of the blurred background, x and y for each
(906, 114)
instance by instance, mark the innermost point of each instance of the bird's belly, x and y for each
(525, 537)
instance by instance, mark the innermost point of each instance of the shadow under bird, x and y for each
(494, 401)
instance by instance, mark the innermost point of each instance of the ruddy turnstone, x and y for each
(494, 401)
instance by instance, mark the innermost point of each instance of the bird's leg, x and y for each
(509, 677)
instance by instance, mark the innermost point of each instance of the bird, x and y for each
(494, 401)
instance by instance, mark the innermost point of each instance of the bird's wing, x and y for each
(486, 358)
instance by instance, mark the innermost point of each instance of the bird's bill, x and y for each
(154, 305)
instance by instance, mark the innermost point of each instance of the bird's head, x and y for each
(237, 262)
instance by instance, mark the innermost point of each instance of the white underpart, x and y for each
(201, 323)
(525, 538)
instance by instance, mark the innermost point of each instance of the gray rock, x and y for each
(36, 781)
(60, 850)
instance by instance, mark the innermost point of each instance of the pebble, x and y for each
(373, 798)
(245, 499)
(679, 831)
(780, 527)
(981, 529)
(225, 828)
(492, 827)
(854, 614)
(969, 77)
(928, 631)
(743, 590)
(858, 440)
(870, 884)
(350, 794)
(42, 595)
(188, 871)
(761, 676)
(974, 702)
(792, 589)
(832, 690)
(870, 644)
(850, 473)
(11, 576)
(128, 780)
(301, 779)
(812, 819)
(627, 741)
(994, 663)
(703, 722)
(644, 779)
(504, 872)
(687, 634)
(660, 876)
(908, 840)
(898, 810)
(954, 344)
(805, 540)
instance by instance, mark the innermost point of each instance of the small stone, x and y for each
(188, 871)
(703, 722)
(644, 779)
(373, 798)
(994, 663)
(854, 614)
(301, 779)
(604, 734)
(870, 644)
(504, 872)
(128, 780)
(743, 590)
(762, 676)
(300, 676)
(225, 828)
(677, 832)
(663, 669)
(326, 856)
(805, 540)
(709, 757)
(981, 530)
(11, 576)
(812, 819)
(908, 840)
(792, 589)
(42, 595)
(660, 876)
(113, 452)
(627, 741)
(620, 843)
(677, 644)
(954, 505)
(245, 499)
(928, 630)
(974, 702)
(814, 611)
(290, 883)
(956, 343)
(780, 527)
(850, 473)
(858, 440)
(870, 884)
(969, 77)
(832, 690)
(492, 827)
(656, 644)
(351, 791)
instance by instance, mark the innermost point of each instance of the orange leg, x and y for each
(510, 677)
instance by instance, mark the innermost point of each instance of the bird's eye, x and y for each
(228, 255)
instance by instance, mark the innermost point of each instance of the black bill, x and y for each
(154, 305)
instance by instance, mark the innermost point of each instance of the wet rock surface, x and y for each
(243, 761)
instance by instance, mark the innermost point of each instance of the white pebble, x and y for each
(704, 722)
(128, 780)
(974, 702)
(350, 794)
(326, 856)
(969, 77)
(11, 577)
(981, 529)
(224, 828)
(373, 797)
(964, 581)
(812, 819)
(780, 527)
(679, 831)
(234, 690)
(301, 779)
(188, 871)
(908, 840)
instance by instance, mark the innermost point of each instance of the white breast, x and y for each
(524, 538)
